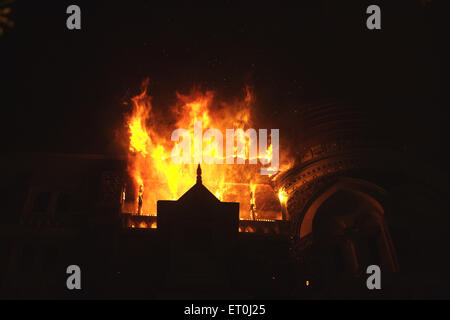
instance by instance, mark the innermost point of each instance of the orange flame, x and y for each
(150, 149)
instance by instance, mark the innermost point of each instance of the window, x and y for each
(63, 203)
(374, 254)
(338, 259)
(27, 258)
(41, 202)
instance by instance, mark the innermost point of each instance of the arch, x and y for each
(351, 208)
(360, 187)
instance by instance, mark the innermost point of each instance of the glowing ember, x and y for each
(282, 196)
(253, 214)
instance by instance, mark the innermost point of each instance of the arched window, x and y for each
(63, 203)
(352, 232)
(41, 202)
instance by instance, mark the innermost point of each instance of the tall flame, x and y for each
(156, 177)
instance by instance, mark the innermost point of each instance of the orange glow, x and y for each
(282, 196)
(142, 225)
(150, 150)
(253, 214)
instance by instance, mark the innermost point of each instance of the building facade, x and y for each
(352, 201)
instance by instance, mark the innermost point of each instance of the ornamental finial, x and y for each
(199, 174)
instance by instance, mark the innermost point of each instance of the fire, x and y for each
(143, 225)
(139, 139)
(156, 177)
(282, 196)
(253, 214)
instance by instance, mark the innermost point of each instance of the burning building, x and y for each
(231, 177)
(141, 226)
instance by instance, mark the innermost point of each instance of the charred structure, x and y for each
(351, 199)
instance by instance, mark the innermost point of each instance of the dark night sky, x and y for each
(62, 91)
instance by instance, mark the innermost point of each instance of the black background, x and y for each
(63, 91)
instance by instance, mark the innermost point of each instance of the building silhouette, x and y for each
(354, 200)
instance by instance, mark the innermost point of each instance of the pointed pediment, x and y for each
(198, 193)
(196, 209)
